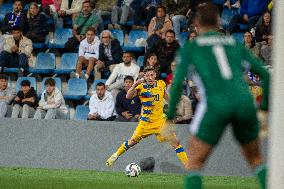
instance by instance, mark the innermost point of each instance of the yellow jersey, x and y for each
(151, 98)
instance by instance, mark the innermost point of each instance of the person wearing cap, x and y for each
(25, 101)
(6, 95)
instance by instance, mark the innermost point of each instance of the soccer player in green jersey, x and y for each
(218, 62)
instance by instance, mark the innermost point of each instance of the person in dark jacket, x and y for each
(37, 24)
(110, 53)
(25, 101)
(166, 51)
(16, 18)
(264, 29)
(128, 110)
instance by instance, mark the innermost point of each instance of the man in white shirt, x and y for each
(88, 54)
(115, 81)
(101, 104)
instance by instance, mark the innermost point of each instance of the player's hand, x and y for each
(138, 81)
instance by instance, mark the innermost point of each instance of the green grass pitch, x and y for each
(26, 178)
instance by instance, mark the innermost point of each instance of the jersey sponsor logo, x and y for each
(213, 40)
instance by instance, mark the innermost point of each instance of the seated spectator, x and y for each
(17, 51)
(85, 20)
(120, 14)
(266, 51)
(158, 26)
(249, 43)
(115, 81)
(184, 111)
(169, 78)
(70, 8)
(128, 110)
(147, 10)
(166, 51)
(264, 29)
(178, 9)
(101, 104)
(37, 24)
(151, 60)
(110, 53)
(51, 8)
(88, 54)
(2, 42)
(16, 18)
(6, 95)
(25, 101)
(250, 12)
(192, 35)
(229, 4)
(51, 104)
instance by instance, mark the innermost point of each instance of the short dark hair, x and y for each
(100, 84)
(49, 81)
(25, 83)
(17, 28)
(161, 7)
(129, 77)
(3, 76)
(91, 29)
(171, 31)
(19, 1)
(127, 52)
(207, 14)
(148, 69)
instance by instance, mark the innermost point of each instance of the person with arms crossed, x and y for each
(225, 96)
(152, 120)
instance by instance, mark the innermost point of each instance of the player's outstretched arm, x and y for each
(132, 91)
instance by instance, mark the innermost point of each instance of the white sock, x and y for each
(77, 75)
(87, 76)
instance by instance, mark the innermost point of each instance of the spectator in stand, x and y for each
(52, 7)
(51, 104)
(120, 14)
(151, 60)
(192, 35)
(184, 111)
(166, 51)
(70, 8)
(17, 51)
(110, 53)
(128, 110)
(88, 54)
(2, 42)
(37, 24)
(178, 10)
(16, 18)
(101, 104)
(264, 29)
(250, 12)
(158, 26)
(6, 95)
(115, 81)
(266, 51)
(169, 78)
(249, 43)
(25, 101)
(229, 4)
(147, 10)
(85, 20)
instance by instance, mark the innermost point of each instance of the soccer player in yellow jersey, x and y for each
(152, 121)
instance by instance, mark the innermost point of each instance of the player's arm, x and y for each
(177, 86)
(132, 91)
(256, 67)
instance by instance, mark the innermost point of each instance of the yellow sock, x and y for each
(181, 154)
(124, 146)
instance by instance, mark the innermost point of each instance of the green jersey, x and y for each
(218, 63)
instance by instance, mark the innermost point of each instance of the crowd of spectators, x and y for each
(99, 52)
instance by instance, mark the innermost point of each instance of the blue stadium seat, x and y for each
(183, 38)
(45, 63)
(133, 36)
(140, 61)
(238, 36)
(87, 97)
(58, 84)
(81, 112)
(119, 35)
(68, 63)
(10, 70)
(4, 9)
(20, 79)
(76, 89)
(61, 36)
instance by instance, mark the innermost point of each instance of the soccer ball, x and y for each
(132, 170)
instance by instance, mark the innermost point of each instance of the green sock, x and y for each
(193, 180)
(260, 172)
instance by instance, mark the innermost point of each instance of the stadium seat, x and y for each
(238, 36)
(119, 35)
(87, 97)
(68, 63)
(164, 75)
(20, 79)
(140, 61)
(76, 89)
(61, 36)
(81, 112)
(45, 63)
(183, 38)
(227, 15)
(58, 84)
(4, 9)
(133, 36)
